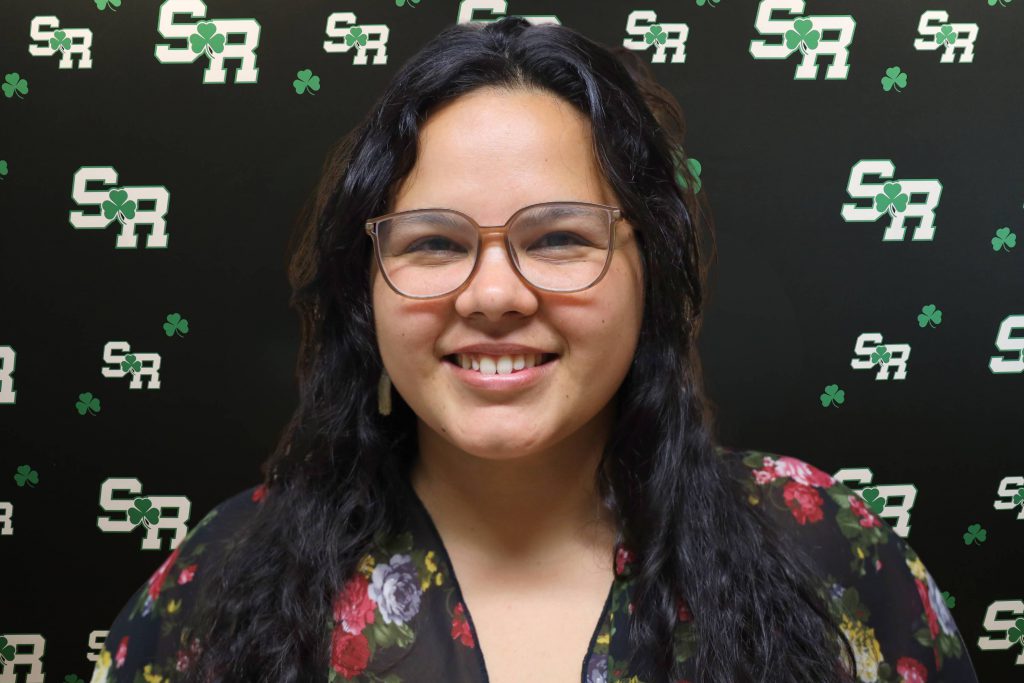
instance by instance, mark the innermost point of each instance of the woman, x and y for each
(544, 455)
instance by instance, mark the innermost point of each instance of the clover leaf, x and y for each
(175, 324)
(709, 3)
(833, 395)
(13, 83)
(131, 364)
(880, 355)
(656, 34)
(102, 4)
(355, 35)
(206, 38)
(3, 167)
(945, 34)
(891, 198)
(992, 3)
(306, 81)
(1018, 497)
(60, 41)
(975, 535)
(87, 403)
(7, 650)
(894, 78)
(802, 36)
(948, 599)
(1004, 239)
(929, 314)
(143, 512)
(876, 503)
(118, 205)
(693, 165)
(1016, 632)
(26, 475)
(401, 3)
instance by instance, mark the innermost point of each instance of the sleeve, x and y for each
(146, 641)
(887, 602)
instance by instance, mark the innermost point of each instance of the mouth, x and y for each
(546, 358)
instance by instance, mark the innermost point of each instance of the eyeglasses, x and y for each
(554, 246)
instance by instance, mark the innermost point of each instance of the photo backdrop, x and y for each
(863, 161)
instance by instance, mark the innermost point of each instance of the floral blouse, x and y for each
(401, 617)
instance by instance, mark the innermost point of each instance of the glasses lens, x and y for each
(557, 247)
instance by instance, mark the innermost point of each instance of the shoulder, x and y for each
(146, 641)
(879, 589)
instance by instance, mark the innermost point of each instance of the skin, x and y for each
(508, 480)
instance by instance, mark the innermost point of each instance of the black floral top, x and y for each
(401, 618)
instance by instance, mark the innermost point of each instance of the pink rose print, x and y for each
(933, 620)
(187, 657)
(353, 607)
(460, 627)
(187, 574)
(804, 502)
(156, 581)
(799, 471)
(623, 558)
(911, 670)
(867, 518)
(258, 493)
(350, 653)
(122, 652)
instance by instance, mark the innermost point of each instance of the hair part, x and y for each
(332, 479)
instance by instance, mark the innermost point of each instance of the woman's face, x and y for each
(487, 154)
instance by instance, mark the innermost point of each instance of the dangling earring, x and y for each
(384, 393)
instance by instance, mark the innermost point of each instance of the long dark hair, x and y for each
(332, 480)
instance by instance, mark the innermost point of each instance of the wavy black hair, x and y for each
(332, 480)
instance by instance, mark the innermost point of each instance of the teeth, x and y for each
(498, 365)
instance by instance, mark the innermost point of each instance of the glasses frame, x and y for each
(487, 233)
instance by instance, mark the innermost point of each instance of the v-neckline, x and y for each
(439, 545)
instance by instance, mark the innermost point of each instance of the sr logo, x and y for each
(153, 513)
(894, 199)
(871, 352)
(119, 355)
(672, 36)
(813, 36)
(210, 39)
(361, 37)
(940, 34)
(120, 204)
(69, 42)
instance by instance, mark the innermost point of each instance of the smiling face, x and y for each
(488, 154)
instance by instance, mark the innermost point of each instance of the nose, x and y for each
(495, 287)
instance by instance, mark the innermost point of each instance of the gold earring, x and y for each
(384, 394)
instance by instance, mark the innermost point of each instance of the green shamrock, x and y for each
(833, 395)
(975, 535)
(26, 475)
(118, 205)
(992, 3)
(876, 503)
(207, 38)
(72, 678)
(695, 169)
(1004, 239)
(1018, 497)
(306, 80)
(3, 167)
(401, 3)
(355, 35)
(1015, 633)
(143, 512)
(801, 36)
(948, 599)
(929, 314)
(7, 650)
(60, 41)
(131, 364)
(13, 83)
(709, 3)
(102, 4)
(86, 403)
(656, 34)
(880, 355)
(894, 77)
(891, 198)
(175, 323)
(946, 34)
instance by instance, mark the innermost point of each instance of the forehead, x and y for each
(491, 152)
